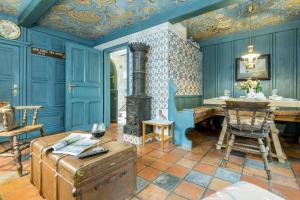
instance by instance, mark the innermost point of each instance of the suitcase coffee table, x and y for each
(104, 176)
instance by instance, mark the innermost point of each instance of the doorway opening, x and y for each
(118, 85)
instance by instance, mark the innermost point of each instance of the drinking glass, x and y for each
(101, 127)
(101, 130)
(274, 92)
(226, 93)
(94, 128)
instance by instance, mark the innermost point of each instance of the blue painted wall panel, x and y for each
(224, 65)
(209, 71)
(283, 46)
(285, 65)
(298, 63)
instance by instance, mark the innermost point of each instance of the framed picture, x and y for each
(260, 72)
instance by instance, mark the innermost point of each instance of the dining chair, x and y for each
(248, 120)
(10, 128)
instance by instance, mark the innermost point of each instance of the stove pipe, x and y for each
(139, 51)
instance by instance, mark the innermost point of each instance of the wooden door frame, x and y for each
(113, 69)
(106, 78)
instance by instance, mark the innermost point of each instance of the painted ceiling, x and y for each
(13, 7)
(95, 18)
(235, 18)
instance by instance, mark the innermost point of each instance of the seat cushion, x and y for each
(11, 119)
(246, 124)
(243, 191)
(287, 115)
(203, 112)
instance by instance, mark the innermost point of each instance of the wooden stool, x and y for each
(162, 125)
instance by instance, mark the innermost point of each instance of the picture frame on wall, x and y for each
(260, 72)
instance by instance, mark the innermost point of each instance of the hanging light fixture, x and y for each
(251, 57)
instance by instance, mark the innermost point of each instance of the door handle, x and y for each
(70, 87)
(15, 89)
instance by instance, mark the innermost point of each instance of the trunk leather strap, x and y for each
(56, 176)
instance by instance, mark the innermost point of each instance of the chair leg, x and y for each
(11, 145)
(228, 150)
(17, 155)
(264, 154)
(42, 132)
(268, 140)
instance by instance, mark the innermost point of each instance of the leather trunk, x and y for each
(63, 177)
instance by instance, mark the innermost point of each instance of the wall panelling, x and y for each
(281, 42)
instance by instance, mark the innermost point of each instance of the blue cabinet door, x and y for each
(84, 87)
(10, 74)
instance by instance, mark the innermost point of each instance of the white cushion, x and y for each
(243, 191)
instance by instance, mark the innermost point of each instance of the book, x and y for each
(74, 144)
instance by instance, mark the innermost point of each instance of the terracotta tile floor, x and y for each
(175, 173)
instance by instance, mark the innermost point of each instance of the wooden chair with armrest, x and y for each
(248, 120)
(25, 128)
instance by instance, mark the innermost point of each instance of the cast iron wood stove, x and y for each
(138, 105)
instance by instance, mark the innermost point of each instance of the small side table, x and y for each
(162, 125)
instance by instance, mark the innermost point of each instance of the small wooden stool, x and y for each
(162, 125)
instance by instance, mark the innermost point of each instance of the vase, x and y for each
(250, 92)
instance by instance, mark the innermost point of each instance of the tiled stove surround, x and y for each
(170, 57)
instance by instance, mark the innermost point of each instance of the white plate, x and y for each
(9, 30)
(223, 97)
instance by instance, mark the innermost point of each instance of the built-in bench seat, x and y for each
(287, 115)
(203, 112)
(185, 119)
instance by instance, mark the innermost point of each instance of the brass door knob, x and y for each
(70, 87)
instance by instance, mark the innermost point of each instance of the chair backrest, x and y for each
(248, 116)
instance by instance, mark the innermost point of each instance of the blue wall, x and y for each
(41, 78)
(281, 42)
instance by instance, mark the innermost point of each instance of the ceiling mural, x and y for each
(235, 18)
(95, 18)
(13, 7)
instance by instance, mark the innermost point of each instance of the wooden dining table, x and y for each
(285, 103)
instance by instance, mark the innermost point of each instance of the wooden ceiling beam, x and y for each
(34, 11)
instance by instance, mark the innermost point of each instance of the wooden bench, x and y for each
(185, 120)
(287, 115)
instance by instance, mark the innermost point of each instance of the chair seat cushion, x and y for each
(246, 123)
(11, 120)
(203, 112)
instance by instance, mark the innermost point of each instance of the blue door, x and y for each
(84, 82)
(10, 74)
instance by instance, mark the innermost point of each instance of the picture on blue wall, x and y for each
(260, 72)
